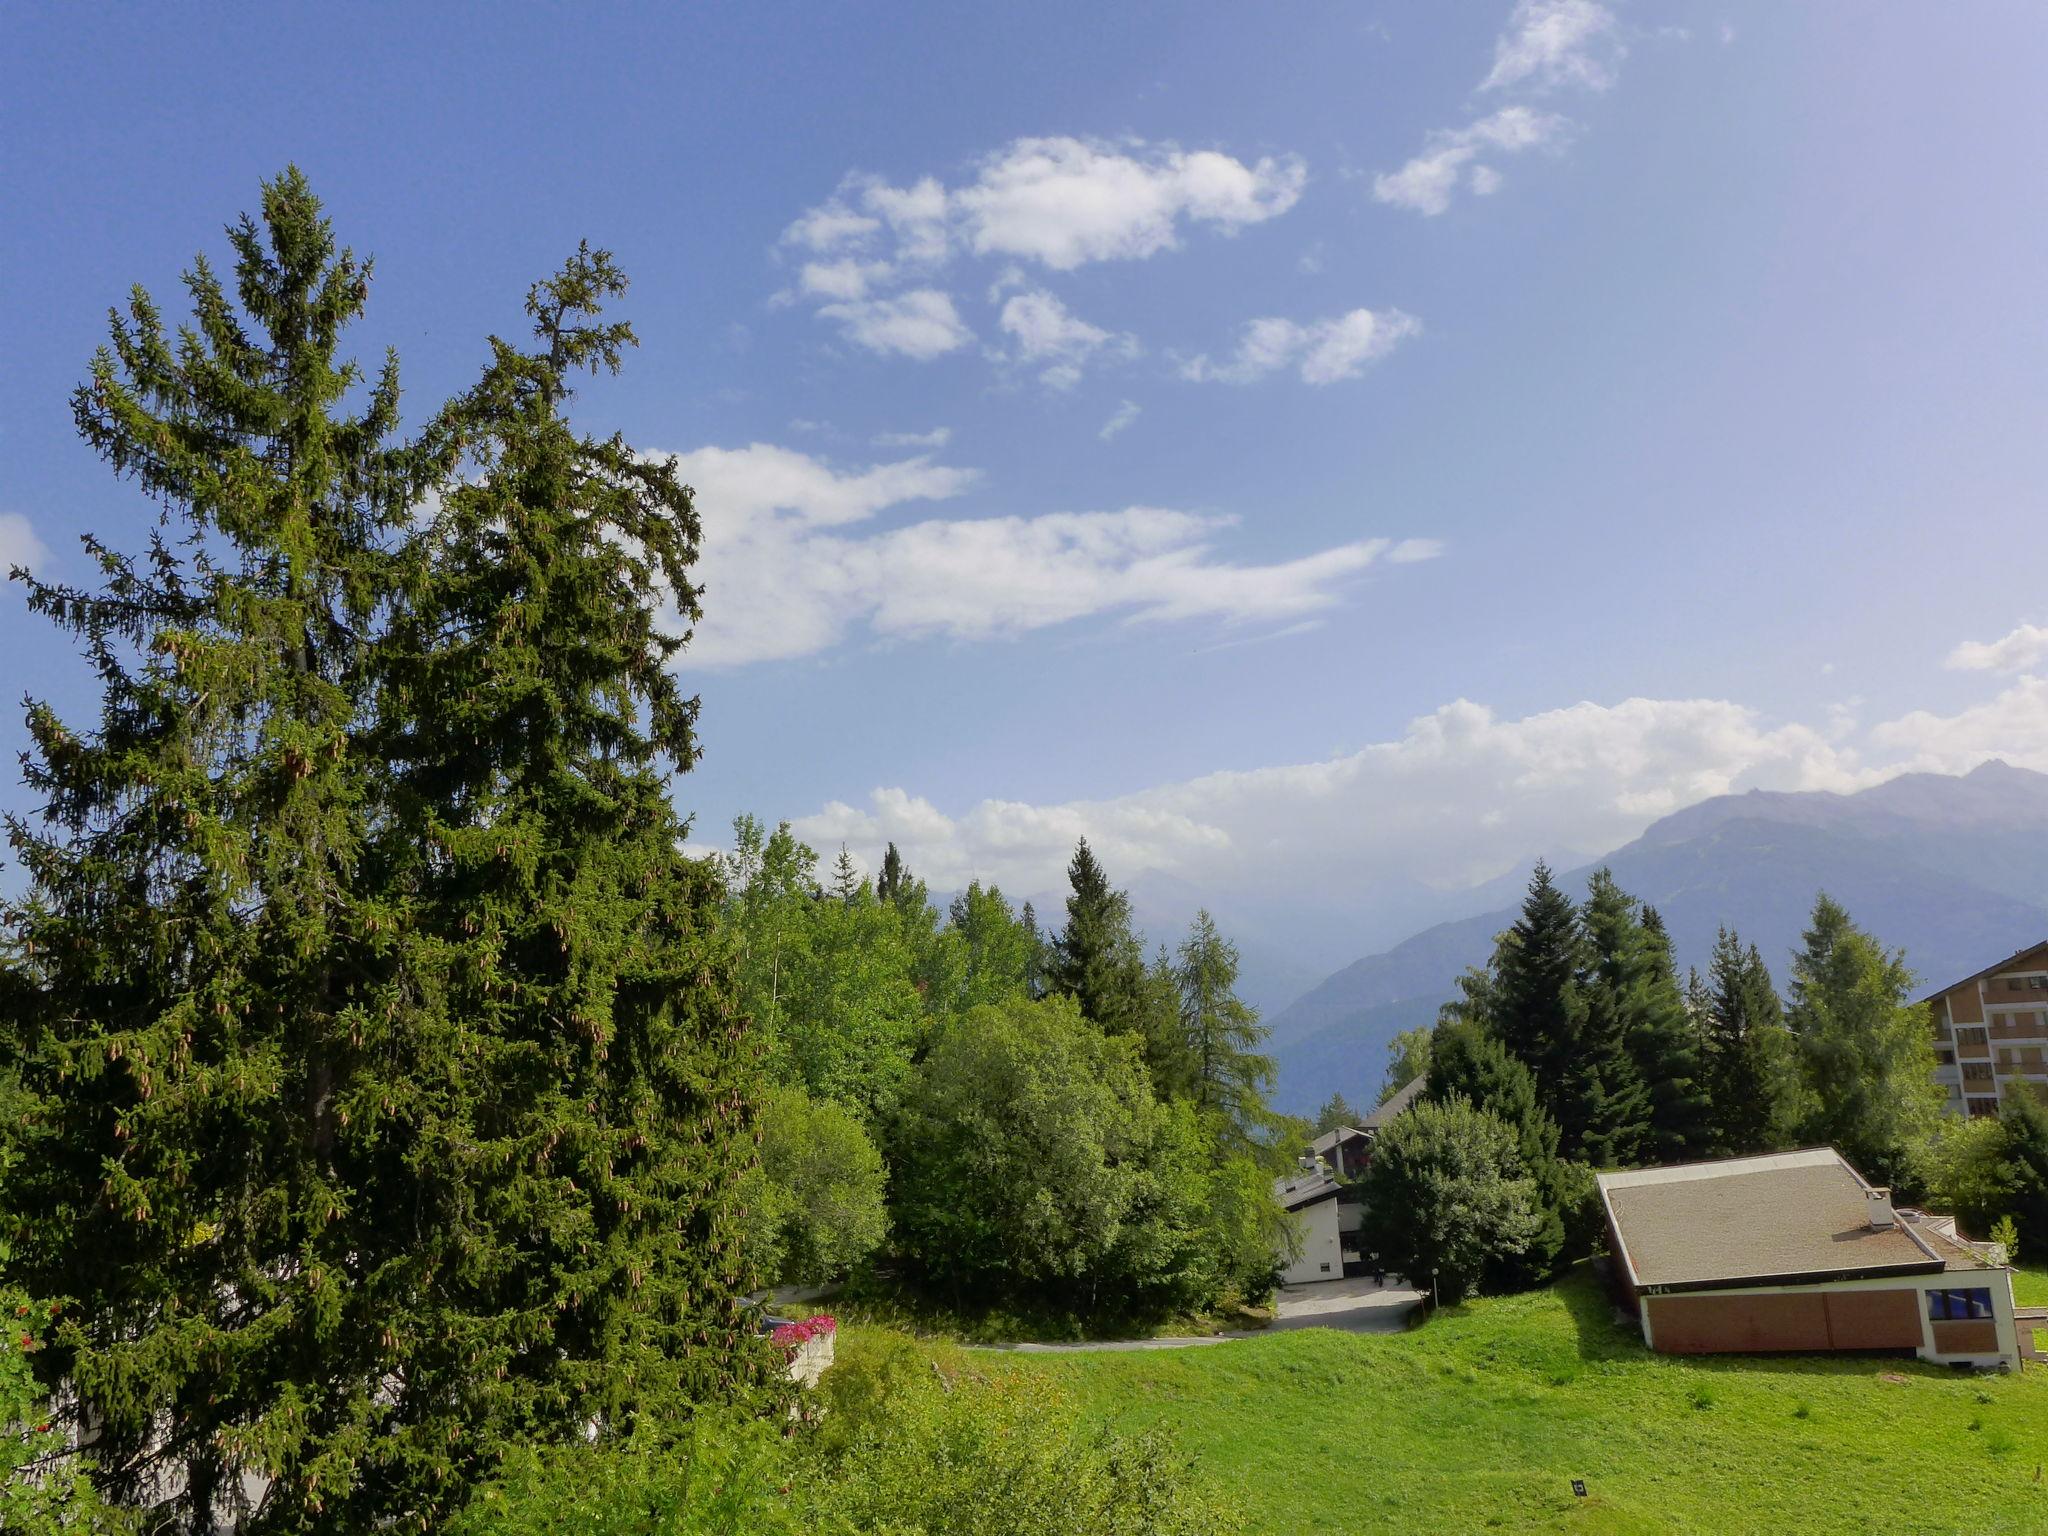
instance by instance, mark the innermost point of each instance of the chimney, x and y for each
(1878, 1202)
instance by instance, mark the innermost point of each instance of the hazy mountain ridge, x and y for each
(1952, 869)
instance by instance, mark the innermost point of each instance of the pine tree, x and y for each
(1040, 961)
(846, 878)
(207, 979)
(1864, 1048)
(1604, 1107)
(584, 1088)
(1096, 959)
(1533, 1000)
(1665, 1043)
(894, 883)
(1334, 1115)
(1748, 1058)
(1221, 1034)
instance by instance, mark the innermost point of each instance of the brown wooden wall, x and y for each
(1803, 1321)
(1972, 1336)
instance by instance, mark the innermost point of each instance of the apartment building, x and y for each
(1991, 1033)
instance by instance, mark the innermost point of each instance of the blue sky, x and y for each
(1327, 453)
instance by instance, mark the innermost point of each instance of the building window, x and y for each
(1958, 1306)
(1976, 1071)
(1945, 1058)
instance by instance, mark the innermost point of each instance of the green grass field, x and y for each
(1480, 1420)
(2030, 1285)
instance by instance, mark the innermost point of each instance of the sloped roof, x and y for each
(2030, 952)
(1306, 1187)
(1752, 1220)
(1407, 1094)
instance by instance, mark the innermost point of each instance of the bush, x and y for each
(44, 1487)
(900, 1449)
(726, 1476)
(1446, 1196)
(815, 1205)
(1032, 1161)
(931, 1453)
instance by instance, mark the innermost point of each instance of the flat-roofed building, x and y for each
(1794, 1252)
(1991, 1033)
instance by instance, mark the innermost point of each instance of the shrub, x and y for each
(815, 1204)
(44, 1487)
(1446, 1196)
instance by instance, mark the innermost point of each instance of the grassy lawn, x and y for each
(2030, 1285)
(1480, 1420)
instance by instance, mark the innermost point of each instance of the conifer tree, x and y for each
(1335, 1114)
(207, 982)
(1749, 1059)
(1467, 1061)
(1096, 959)
(846, 878)
(1603, 1106)
(1221, 1034)
(2024, 1119)
(584, 1088)
(1533, 1001)
(894, 883)
(1864, 1047)
(1665, 1043)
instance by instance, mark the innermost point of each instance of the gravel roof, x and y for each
(1795, 1213)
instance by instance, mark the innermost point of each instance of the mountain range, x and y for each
(1953, 869)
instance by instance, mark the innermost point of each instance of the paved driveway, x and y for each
(1354, 1306)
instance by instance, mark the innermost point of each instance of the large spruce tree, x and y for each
(1533, 1002)
(270, 1151)
(1097, 959)
(583, 1083)
(1749, 1059)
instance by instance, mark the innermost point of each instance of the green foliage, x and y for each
(1469, 1063)
(1001, 953)
(1447, 1196)
(1334, 1114)
(1221, 1036)
(385, 1094)
(904, 1445)
(964, 1453)
(2025, 1120)
(724, 1476)
(2005, 1236)
(1964, 1165)
(1531, 998)
(1750, 1060)
(1864, 1047)
(45, 1486)
(1407, 1059)
(1031, 1158)
(816, 1201)
(832, 983)
(1096, 960)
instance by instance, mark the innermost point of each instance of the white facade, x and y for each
(1322, 1254)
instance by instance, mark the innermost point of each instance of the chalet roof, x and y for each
(1306, 1187)
(1755, 1220)
(1407, 1094)
(2032, 951)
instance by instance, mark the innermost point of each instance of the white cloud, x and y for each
(938, 437)
(19, 545)
(2013, 726)
(784, 579)
(1325, 351)
(1427, 182)
(922, 323)
(872, 253)
(1120, 419)
(2026, 646)
(1408, 551)
(1551, 43)
(1397, 814)
(1046, 332)
(1065, 201)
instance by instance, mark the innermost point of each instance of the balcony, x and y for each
(1973, 1050)
(2018, 1026)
